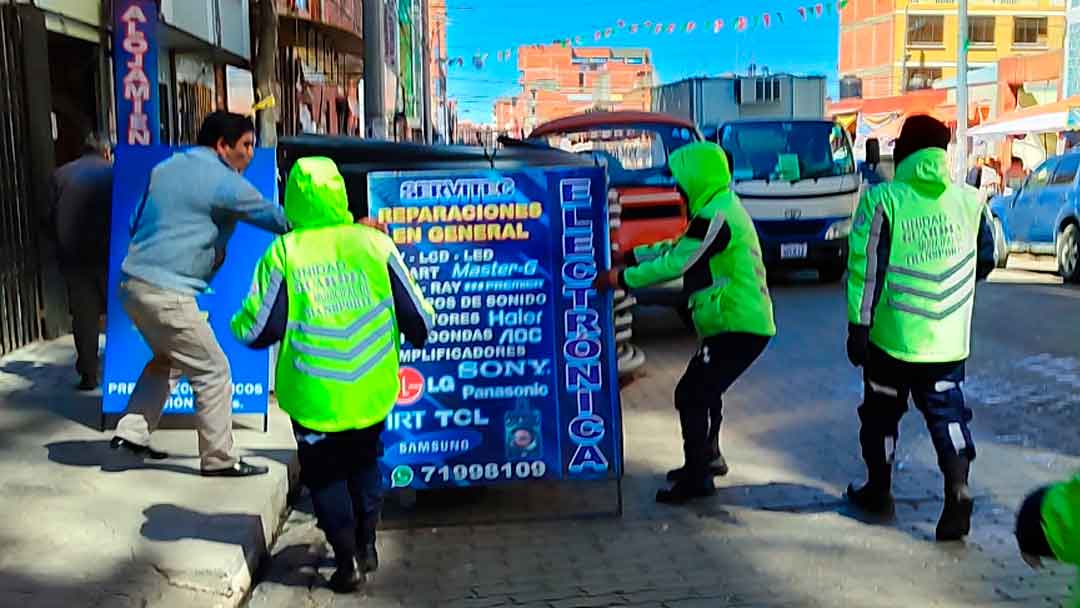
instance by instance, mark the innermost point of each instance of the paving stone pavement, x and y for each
(778, 533)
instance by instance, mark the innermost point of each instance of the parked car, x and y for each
(634, 146)
(1042, 216)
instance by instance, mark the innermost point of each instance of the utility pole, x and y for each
(266, 71)
(374, 69)
(961, 93)
(425, 18)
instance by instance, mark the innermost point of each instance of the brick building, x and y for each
(894, 46)
(558, 81)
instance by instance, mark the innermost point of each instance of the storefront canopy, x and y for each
(1046, 118)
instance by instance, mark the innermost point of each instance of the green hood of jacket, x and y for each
(315, 196)
(701, 170)
(927, 171)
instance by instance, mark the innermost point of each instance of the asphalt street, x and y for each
(778, 532)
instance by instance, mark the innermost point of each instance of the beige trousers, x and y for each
(183, 344)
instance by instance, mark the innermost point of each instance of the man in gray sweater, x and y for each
(180, 231)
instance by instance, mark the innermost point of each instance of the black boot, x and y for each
(718, 467)
(349, 576)
(369, 558)
(875, 496)
(955, 522)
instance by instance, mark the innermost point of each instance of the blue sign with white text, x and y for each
(135, 61)
(126, 353)
(518, 378)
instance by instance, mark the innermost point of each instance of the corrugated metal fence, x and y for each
(20, 292)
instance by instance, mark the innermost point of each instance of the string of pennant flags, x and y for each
(740, 24)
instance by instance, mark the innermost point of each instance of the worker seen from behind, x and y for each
(917, 247)
(1048, 526)
(719, 259)
(337, 296)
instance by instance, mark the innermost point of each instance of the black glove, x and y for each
(858, 344)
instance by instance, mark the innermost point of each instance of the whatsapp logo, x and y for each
(401, 477)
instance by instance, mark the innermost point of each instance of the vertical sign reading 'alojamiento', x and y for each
(517, 381)
(135, 61)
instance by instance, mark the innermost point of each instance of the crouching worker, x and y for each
(1048, 526)
(338, 297)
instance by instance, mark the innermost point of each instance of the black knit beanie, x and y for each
(920, 132)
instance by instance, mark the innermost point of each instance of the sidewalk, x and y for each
(83, 529)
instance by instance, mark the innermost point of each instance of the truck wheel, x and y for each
(1001, 248)
(1068, 254)
(831, 273)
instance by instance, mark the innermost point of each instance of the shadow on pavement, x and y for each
(168, 522)
(97, 453)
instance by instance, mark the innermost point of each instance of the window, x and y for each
(921, 78)
(1041, 176)
(1066, 170)
(581, 80)
(1030, 30)
(981, 30)
(926, 30)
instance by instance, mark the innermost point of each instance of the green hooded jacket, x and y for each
(916, 248)
(1061, 523)
(719, 255)
(338, 298)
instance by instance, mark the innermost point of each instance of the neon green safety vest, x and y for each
(338, 363)
(912, 262)
(719, 255)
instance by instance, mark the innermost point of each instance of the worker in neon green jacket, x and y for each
(917, 246)
(1048, 526)
(719, 260)
(337, 296)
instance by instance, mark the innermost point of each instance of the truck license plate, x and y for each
(792, 250)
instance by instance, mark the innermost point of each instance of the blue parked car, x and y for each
(1042, 216)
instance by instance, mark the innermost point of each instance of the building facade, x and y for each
(1072, 50)
(894, 46)
(559, 81)
(710, 102)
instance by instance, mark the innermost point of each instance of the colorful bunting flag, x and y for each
(634, 28)
(766, 19)
(607, 33)
(818, 9)
(690, 27)
(621, 23)
(659, 28)
(740, 26)
(780, 17)
(717, 26)
(597, 35)
(671, 28)
(648, 24)
(802, 12)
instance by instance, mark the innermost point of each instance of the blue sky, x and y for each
(486, 26)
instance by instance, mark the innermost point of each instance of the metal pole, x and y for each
(425, 54)
(961, 92)
(374, 69)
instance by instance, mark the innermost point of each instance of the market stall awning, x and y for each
(1045, 118)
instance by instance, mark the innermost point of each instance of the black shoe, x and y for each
(88, 383)
(717, 468)
(683, 492)
(871, 500)
(369, 558)
(141, 451)
(347, 578)
(955, 522)
(240, 469)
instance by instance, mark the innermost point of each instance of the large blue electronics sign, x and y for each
(518, 379)
(126, 353)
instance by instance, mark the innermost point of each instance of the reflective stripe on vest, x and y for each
(370, 323)
(927, 309)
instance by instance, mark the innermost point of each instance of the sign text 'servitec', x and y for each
(581, 340)
(464, 190)
(136, 84)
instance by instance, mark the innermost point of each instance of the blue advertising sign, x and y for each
(126, 353)
(135, 60)
(518, 379)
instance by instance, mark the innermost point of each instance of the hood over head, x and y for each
(927, 171)
(701, 170)
(315, 196)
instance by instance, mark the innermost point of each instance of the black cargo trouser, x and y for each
(936, 390)
(341, 470)
(699, 395)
